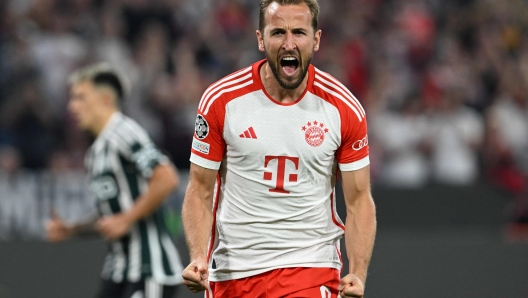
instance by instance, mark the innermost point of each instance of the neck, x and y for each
(276, 91)
(102, 122)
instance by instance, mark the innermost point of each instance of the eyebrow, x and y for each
(280, 29)
(303, 30)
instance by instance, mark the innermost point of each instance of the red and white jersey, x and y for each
(274, 203)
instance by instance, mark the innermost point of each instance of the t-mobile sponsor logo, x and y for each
(280, 174)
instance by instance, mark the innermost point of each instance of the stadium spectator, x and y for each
(383, 51)
(456, 133)
(405, 146)
(18, 208)
(33, 124)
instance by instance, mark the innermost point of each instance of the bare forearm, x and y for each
(359, 236)
(161, 184)
(197, 211)
(85, 227)
(58, 230)
(197, 219)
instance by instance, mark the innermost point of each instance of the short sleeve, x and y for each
(353, 154)
(146, 156)
(208, 145)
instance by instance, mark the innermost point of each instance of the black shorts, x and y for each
(142, 289)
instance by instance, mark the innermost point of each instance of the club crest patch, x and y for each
(104, 187)
(314, 133)
(201, 128)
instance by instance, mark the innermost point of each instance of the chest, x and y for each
(256, 127)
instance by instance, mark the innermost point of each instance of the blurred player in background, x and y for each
(130, 178)
(268, 144)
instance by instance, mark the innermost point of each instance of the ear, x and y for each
(317, 40)
(260, 40)
(108, 98)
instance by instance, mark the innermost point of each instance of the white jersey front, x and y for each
(274, 204)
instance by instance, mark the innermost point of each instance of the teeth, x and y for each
(289, 58)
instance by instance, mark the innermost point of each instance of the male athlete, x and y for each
(130, 179)
(268, 145)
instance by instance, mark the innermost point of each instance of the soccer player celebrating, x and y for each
(259, 211)
(130, 178)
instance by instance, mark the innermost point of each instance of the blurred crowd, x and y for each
(444, 82)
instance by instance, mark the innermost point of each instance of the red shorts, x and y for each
(287, 282)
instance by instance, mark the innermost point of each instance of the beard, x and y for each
(283, 82)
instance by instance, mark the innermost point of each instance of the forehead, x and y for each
(82, 86)
(296, 15)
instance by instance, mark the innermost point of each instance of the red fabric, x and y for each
(354, 139)
(285, 282)
(356, 67)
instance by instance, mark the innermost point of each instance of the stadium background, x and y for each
(444, 84)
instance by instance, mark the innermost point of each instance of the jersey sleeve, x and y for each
(146, 157)
(353, 154)
(136, 147)
(208, 145)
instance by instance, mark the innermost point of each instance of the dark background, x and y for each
(433, 243)
(444, 84)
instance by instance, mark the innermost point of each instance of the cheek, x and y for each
(80, 109)
(77, 107)
(72, 107)
(308, 49)
(272, 45)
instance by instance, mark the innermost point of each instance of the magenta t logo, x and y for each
(281, 172)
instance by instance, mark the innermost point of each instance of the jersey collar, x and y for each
(112, 122)
(256, 78)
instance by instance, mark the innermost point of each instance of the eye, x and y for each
(299, 32)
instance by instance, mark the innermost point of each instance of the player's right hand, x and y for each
(195, 276)
(56, 229)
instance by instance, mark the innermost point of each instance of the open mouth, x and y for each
(289, 65)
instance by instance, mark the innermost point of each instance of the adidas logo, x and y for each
(249, 134)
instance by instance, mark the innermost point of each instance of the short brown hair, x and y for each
(101, 74)
(312, 4)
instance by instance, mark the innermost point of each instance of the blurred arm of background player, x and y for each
(57, 230)
(163, 181)
(360, 230)
(197, 216)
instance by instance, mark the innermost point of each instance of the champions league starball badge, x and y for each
(201, 128)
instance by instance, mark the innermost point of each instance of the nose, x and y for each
(289, 42)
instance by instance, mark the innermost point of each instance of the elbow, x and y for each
(174, 180)
(167, 177)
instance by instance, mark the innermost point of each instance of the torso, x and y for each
(278, 166)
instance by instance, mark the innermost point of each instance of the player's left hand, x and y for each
(351, 286)
(195, 276)
(113, 227)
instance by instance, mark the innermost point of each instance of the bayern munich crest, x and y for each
(201, 128)
(314, 133)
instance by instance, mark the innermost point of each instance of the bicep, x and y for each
(165, 173)
(356, 186)
(201, 183)
(137, 148)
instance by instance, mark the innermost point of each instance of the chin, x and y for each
(81, 126)
(293, 84)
